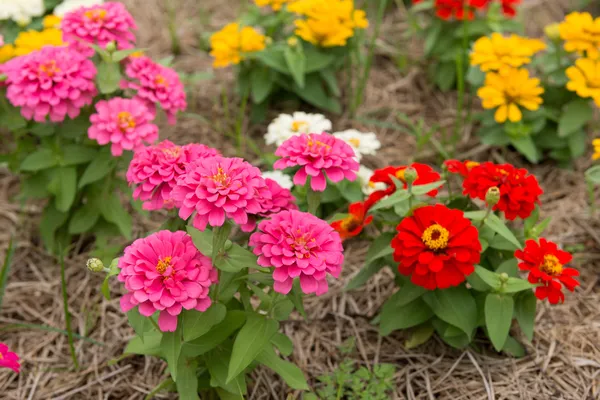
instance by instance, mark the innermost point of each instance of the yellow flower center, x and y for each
(299, 244)
(436, 237)
(551, 265)
(355, 142)
(1, 356)
(400, 175)
(316, 145)
(49, 68)
(136, 54)
(163, 264)
(471, 164)
(172, 152)
(220, 177)
(126, 120)
(350, 223)
(95, 15)
(160, 80)
(299, 126)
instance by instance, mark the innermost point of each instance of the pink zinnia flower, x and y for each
(298, 244)
(217, 188)
(154, 171)
(54, 81)
(100, 24)
(272, 199)
(155, 83)
(124, 122)
(8, 359)
(317, 155)
(165, 272)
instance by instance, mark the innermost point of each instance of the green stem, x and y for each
(63, 283)
(154, 324)
(313, 199)
(487, 214)
(240, 138)
(410, 198)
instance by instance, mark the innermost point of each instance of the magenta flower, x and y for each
(154, 171)
(54, 81)
(278, 199)
(8, 359)
(165, 272)
(99, 24)
(155, 83)
(124, 122)
(217, 188)
(298, 244)
(317, 155)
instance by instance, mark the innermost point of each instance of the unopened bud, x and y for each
(228, 245)
(504, 277)
(95, 265)
(410, 175)
(292, 41)
(111, 47)
(492, 197)
(552, 31)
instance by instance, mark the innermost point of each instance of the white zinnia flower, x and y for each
(21, 11)
(364, 175)
(362, 143)
(285, 126)
(71, 5)
(282, 179)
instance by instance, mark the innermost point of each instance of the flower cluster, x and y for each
(233, 43)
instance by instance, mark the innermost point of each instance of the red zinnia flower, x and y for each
(446, 9)
(354, 223)
(508, 7)
(519, 191)
(546, 265)
(460, 167)
(437, 247)
(425, 175)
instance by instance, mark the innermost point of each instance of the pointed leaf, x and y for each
(290, 373)
(455, 306)
(496, 224)
(170, 346)
(396, 315)
(525, 313)
(498, 317)
(196, 323)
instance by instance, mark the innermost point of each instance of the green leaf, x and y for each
(39, 160)
(217, 362)
(380, 247)
(283, 343)
(395, 315)
(575, 116)
(317, 59)
(455, 306)
(120, 55)
(113, 211)
(140, 324)
(202, 239)
(525, 313)
(52, 219)
(514, 285)
(513, 347)
(250, 341)
(67, 188)
(593, 175)
(296, 62)
(508, 267)
(424, 189)
(330, 79)
(11, 118)
(419, 335)
(290, 373)
(114, 270)
(84, 219)
(108, 77)
(577, 143)
(219, 237)
(496, 224)
(282, 309)
(100, 166)
(296, 296)
(187, 381)
(432, 35)
(489, 277)
(262, 82)
(273, 58)
(314, 93)
(217, 335)
(196, 323)
(236, 259)
(399, 196)
(445, 76)
(498, 318)
(170, 346)
(526, 146)
(150, 345)
(74, 154)
(74, 128)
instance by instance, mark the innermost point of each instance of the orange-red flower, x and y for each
(460, 167)
(437, 247)
(354, 223)
(546, 265)
(519, 191)
(425, 175)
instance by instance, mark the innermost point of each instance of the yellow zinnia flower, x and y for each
(507, 90)
(6, 53)
(584, 79)
(51, 21)
(325, 31)
(32, 40)
(492, 53)
(581, 33)
(230, 44)
(275, 4)
(596, 143)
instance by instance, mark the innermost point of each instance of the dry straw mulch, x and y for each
(563, 362)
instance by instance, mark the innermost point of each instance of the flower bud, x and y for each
(292, 41)
(95, 265)
(552, 31)
(410, 175)
(228, 245)
(492, 197)
(111, 47)
(504, 277)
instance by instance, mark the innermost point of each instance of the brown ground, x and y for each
(563, 362)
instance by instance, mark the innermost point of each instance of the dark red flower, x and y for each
(546, 265)
(460, 167)
(508, 7)
(354, 223)
(425, 175)
(519, 191)
(446, 9)
(437, 247)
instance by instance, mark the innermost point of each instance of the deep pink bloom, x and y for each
(154, 171)
(272, 199)
(124, 122)
(54, 81)
(165, 272)
(217, 188)
(99, 24)
(155, 83)
(8, 359)
(298, 244)
(317, 155)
